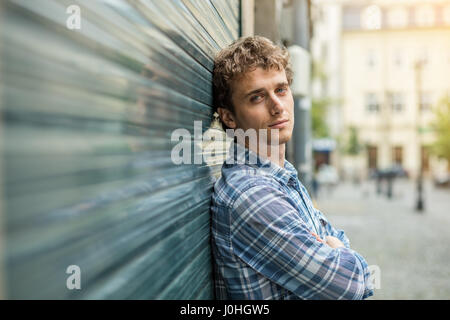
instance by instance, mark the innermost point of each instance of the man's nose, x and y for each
(276, 105)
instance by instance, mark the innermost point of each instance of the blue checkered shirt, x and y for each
(262, 219)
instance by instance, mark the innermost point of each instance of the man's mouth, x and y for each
(279, 124)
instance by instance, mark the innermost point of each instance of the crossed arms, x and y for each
(269, 236)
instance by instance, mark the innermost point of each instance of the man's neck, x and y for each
(278, 158)
(274, 154)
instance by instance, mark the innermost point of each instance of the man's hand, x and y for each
(330, 240)
(334, 242)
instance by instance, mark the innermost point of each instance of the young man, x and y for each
(269, 242)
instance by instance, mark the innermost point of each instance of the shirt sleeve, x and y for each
(331, 231)
(340, 234)
(268, 234)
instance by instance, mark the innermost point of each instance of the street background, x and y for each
(410, 248)
(91, 93)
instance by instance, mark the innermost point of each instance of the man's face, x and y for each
(262, 99)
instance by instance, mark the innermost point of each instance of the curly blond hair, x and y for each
(244, 55)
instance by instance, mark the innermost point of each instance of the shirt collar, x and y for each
(241, 155)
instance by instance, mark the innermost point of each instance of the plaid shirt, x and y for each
(262, 219)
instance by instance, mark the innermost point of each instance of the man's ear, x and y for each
(227, 117)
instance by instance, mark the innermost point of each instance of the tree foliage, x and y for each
(441, 126)
(318, 117)
(353, 146)
(320, 105)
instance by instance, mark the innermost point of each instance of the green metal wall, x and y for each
(87, 117)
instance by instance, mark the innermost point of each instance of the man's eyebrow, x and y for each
(280, 84)
(283, 84)
(254, 91)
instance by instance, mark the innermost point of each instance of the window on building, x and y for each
(324, 52)
(371, 58)
(372, 104)
(324, 84)
(423, 56)
(425, 16)
(396, 100)
(425, 101)
(446, 15)
(316, 13)
(398, 58)
(397, 18)
(372, 156)
(371, 18)
(351, 18)
(397, 155)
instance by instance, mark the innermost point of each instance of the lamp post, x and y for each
(301, 65)
(418, 72)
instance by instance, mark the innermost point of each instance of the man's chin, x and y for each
(284, 138)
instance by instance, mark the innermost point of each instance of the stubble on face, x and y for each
(262, 98)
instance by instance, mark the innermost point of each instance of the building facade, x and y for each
(391, 66)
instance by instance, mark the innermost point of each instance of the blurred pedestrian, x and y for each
(315, 186)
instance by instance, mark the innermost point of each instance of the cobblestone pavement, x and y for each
(411, 249)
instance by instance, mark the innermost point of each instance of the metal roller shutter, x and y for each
(87, 117)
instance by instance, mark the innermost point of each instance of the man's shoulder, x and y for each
(236, 180)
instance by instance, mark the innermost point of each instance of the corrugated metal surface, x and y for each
(87, 122)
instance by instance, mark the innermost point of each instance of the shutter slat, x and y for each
(87, 118)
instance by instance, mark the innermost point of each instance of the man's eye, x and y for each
(256, 98)
(281, 90)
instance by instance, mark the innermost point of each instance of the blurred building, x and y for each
(288, 22)
(387, 64)
(325, 85)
